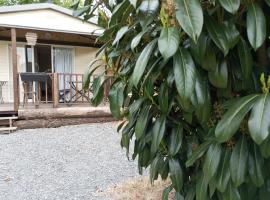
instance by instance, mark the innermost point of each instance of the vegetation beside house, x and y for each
(192, 88)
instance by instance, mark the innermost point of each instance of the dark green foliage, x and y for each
(63, 3)
(192, 88)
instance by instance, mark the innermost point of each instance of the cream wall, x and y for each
(83, 57)
(4, 69)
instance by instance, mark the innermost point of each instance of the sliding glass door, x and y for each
(63, 62)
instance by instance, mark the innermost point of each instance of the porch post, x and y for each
(15, 71)
(55, 89)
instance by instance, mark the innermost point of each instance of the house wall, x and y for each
(83, 57)
(4, 69)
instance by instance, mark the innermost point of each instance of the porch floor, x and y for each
(30, 111)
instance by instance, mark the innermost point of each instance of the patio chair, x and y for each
(28, 90)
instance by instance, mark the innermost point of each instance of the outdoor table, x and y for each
(39, 77)
(2, 83)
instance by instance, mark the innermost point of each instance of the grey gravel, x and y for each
(73, 162)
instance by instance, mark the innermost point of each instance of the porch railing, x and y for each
(53, 88)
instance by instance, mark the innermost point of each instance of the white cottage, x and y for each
(43, 39)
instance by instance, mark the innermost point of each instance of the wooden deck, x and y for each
(30, 111)
(45, 116)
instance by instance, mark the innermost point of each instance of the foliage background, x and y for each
(191, 84)
(63, 3)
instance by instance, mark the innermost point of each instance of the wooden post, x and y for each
(55, 90)
(15, 70)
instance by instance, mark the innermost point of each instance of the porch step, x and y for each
(8, 128)
(10, 120)
(7, 118)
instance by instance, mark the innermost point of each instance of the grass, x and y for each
(139, 189)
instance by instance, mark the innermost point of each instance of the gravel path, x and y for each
(74, 162)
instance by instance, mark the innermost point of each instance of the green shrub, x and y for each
(192, 88)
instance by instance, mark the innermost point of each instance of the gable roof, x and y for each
(28, 8)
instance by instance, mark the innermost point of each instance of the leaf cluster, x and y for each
(187, 88)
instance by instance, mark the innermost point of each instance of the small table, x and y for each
(2, 83)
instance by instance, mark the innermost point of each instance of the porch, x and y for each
(55, 102)
(49, 95)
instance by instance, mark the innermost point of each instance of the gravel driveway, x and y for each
(73, 162)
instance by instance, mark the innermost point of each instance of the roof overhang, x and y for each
(46, 17)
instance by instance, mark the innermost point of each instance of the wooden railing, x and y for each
(59, 89)
(70, 87)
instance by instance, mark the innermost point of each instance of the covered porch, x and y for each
(43, 60)
(42, 75)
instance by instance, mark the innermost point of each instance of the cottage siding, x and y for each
(83, 57)
(47, 20)
(4, 70)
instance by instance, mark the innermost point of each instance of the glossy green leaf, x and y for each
(154, 168)
(245, 58)
(239, 162)
(201, 187)
(232, 33)
(203, 106)
(164, 169)
(163, 98)
(175, 140)
(98, 91)
(144, 156)
(211, 161)
(118, 12)
(197, 153)
(255, 169)
(231, 193)
(120, 34)
(264, 192)
(142, 63)
(232, 119)
(142, 122)
(230, 5)
(184, 75)
(158, 132)
(136, 40)
(190, 194)
(223, 174)
(264, 147)
(259, 121)
(198, 50)
(268, 2)
(116, 98)
(93, 66)
(217, 33)
(256, 25)
(219, 77)
(168, 42)
(210, 62)
(212, 185)
(81, 11)
(190, 17)
(166, 192)
(178, 196)
(176, 174)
